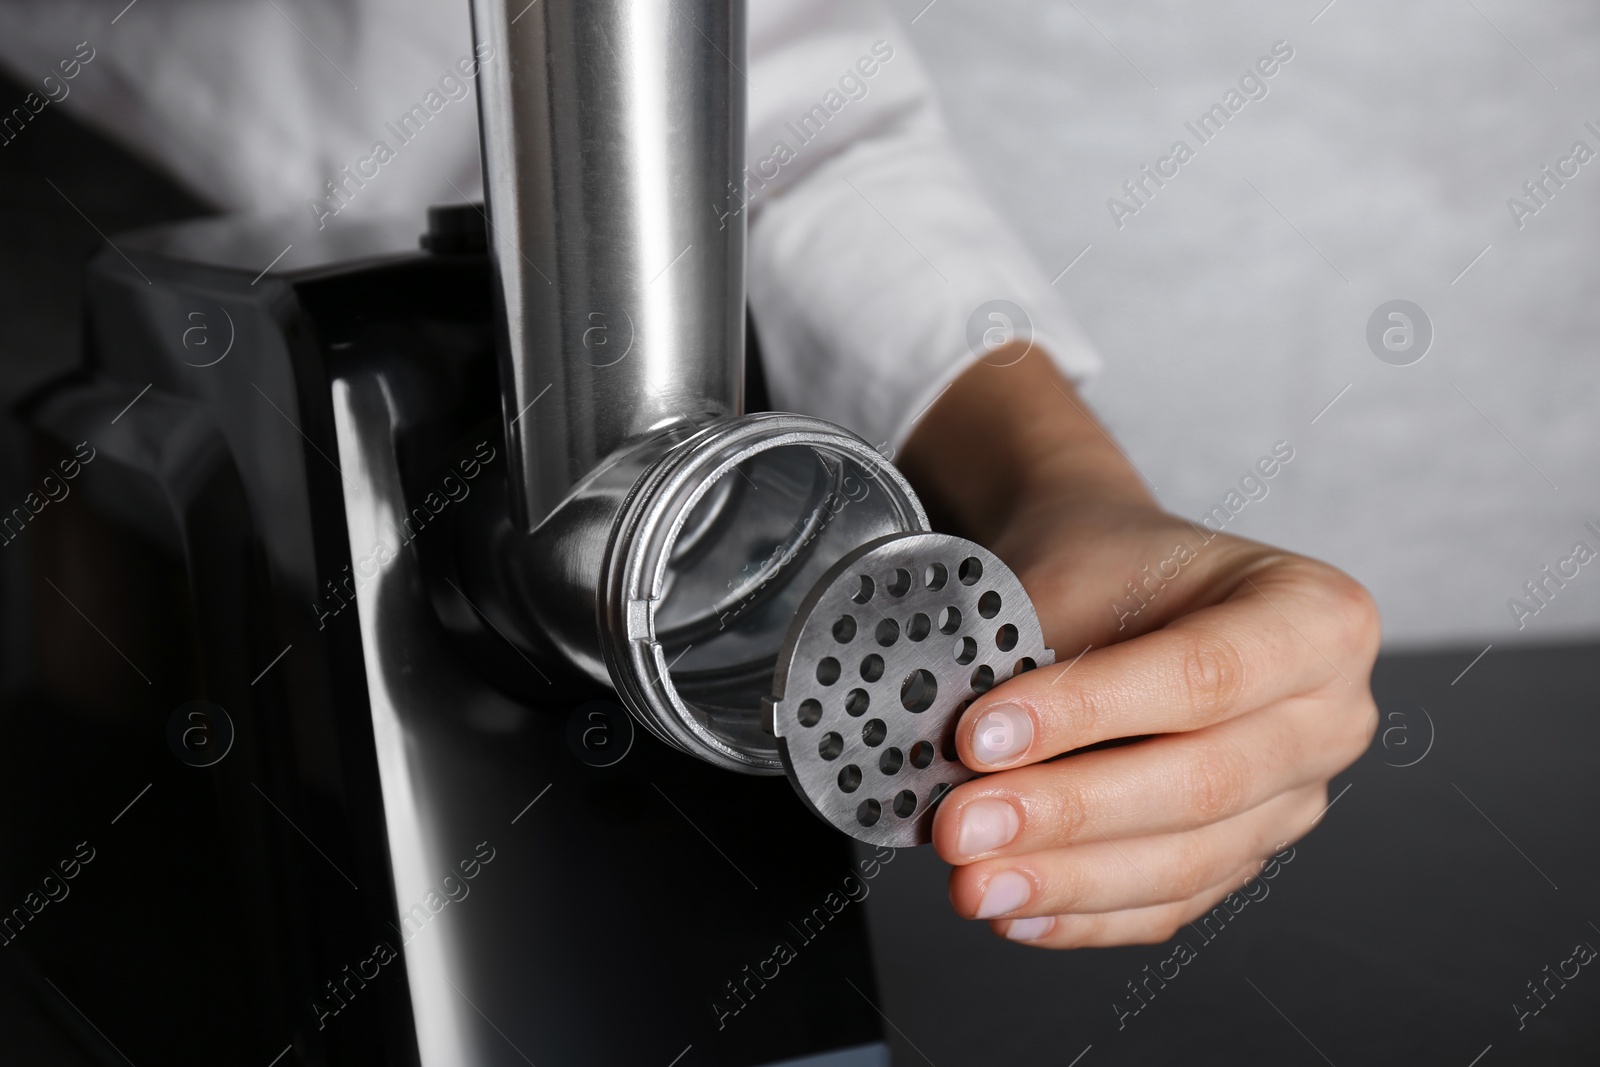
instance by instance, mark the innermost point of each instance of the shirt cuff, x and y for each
(875, 280)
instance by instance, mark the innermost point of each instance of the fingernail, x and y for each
(986, 825)
(1002, 734)
(1030, 929)
(1006, 891)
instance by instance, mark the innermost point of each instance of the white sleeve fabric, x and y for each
(872, 252)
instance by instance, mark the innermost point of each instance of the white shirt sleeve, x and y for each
(875, 262)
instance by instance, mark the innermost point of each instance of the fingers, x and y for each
(1167, 784)
(1206, 914)
(1289, 628)
(1135, 926)
(1107, 875)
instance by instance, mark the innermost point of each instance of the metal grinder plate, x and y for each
(884, 654)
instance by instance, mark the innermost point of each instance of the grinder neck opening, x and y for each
(714, 557)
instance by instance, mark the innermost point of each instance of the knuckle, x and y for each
(1075, 931)
(1066, 888)
(1354, 609)
(1060, 813)
(1191, 872)
(1212, 674)
(1079, 716)
(1158, 932)
(1343, 736)
(1363, 728)
(1217, 783)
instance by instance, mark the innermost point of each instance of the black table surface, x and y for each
(1456, 864)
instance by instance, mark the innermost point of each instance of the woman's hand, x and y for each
(1239, 671)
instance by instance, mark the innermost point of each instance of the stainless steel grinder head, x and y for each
(884, 654)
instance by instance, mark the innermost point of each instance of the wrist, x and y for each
(1009, 436)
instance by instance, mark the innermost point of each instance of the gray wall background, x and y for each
(1381, 161)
